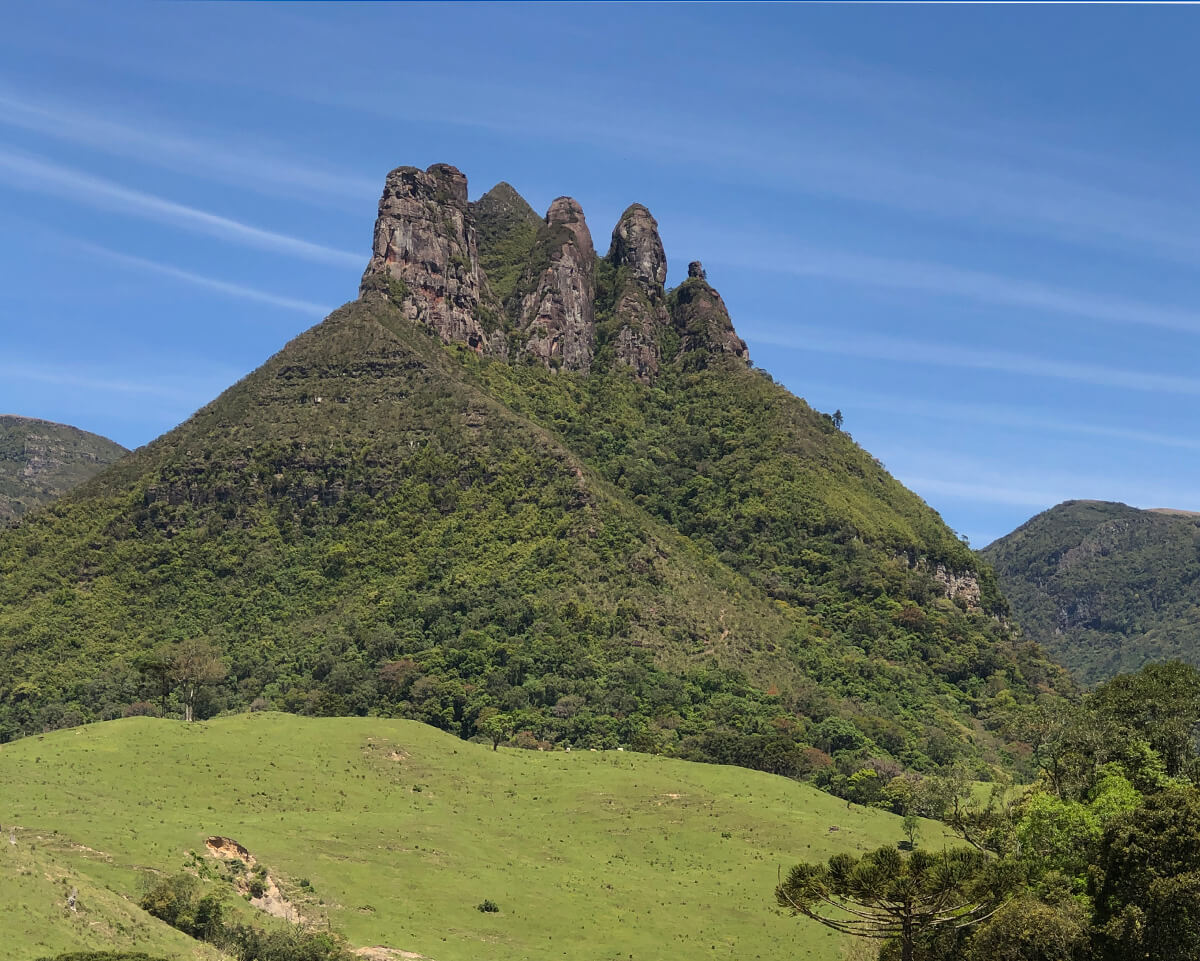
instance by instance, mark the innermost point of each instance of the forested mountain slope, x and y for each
(1105, 588)
(40, 460)
(560, 505)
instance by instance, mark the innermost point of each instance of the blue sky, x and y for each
(971, 229)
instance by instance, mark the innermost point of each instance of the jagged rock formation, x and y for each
(41, 460)
(636, 245)
(640, 304)
(495, 276)
(702, 320)
(556, 316)
(425, 258)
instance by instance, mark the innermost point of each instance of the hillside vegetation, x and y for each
(1105, 588)
(40, 460)
(393, 833)
(601, 528)
(362, 525)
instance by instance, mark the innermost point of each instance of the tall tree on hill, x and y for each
(886, 896)
(195, 662)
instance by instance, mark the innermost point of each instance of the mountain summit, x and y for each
(520, 489)
(544, 292)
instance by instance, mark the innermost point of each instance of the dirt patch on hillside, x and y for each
(271, 900)
(227, 849)
(381, 953)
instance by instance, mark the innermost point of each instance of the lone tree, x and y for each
(193, 663)
(498, 727)
(886, 896)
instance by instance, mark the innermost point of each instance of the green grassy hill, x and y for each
(40, 461)
(1103, 587)
(400, 831)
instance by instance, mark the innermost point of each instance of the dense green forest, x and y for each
(1103, 587)
(1099, 861)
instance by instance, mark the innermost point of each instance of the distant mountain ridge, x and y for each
(1104, 587)
(41, 460)
(518, 480)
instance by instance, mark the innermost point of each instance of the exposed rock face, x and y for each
(493, 275)
(637, 253)
(964, 586)
(701, 318)
(425, 257)
(636, 245)
(557, 311)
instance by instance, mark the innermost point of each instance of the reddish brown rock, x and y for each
(700, 317)
(640, 307)
(425, 257)
(556, 316)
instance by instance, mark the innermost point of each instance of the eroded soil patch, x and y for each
(254, 881)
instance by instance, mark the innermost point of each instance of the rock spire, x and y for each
(556, 314)
(424, 257)
(640, 303)
(498, 278)
(702, 320)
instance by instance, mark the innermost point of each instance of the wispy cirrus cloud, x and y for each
(237, 291)
(227, 161)
(91, 380)
(1001, 416)
(80, 187)
(985, 492)
(952, 281)
(1000, 481)
(906, 351)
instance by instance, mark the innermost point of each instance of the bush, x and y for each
(254, 944)
(178, 901)
(487, 906)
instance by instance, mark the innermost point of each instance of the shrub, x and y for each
(487, 906)
(178, 901)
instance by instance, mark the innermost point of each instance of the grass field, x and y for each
(401, 831)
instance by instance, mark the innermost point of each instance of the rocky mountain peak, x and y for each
(556, 314)
(424, 256)
(700, 316)
(451, 180)
(566, 211)
(636, 245)
(637, 254)
(494, 275)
